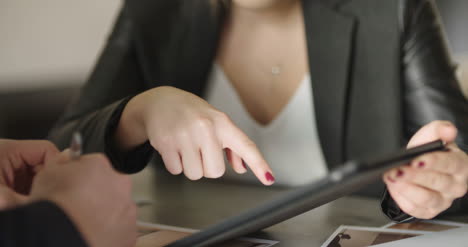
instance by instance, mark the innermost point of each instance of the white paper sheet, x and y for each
(457, 237)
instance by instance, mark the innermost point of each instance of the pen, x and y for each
(76, 146)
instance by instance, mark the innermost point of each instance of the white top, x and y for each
(289, 143)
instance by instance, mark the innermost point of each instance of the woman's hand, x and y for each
(431, 182)
(189, 134)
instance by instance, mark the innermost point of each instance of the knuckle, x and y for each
(433, 158)
(249, 143)
(203, 123)
(445, 206)
(437, 181)
(410, 208)
(47, 144)
(164, 141)
(424, 216)
(460, 190)
(431, 213)
(256, 164)
(452, 167)
(426, 199)
(222, 116)
(464, 169)
(216, 172)
(183, 134)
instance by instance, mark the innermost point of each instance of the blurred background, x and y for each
(48, 48)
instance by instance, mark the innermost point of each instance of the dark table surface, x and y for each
(178, 202)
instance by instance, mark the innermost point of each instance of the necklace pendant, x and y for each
(275, 70)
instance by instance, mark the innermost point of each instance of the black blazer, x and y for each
(380, 70)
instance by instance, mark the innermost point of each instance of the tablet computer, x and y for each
(341, 181)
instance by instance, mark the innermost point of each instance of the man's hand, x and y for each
(95, 197)
(19, 163)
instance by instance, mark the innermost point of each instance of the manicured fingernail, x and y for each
(269, 177)
(421, 164)
(228, 155)
(400, 173)
(390, 179)
(243, 164)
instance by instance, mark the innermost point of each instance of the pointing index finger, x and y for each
(236, 140)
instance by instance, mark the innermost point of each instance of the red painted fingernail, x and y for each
(399, 173)
(390, 179)
(243, 163)
(269, 177)
(421, 164)
(228, 155)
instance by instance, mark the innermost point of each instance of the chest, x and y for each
(289, 143)
(353, 57)
(266, 68)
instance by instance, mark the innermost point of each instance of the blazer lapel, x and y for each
(330, 43)
(198, 46)
(177, 40)
(182, 51)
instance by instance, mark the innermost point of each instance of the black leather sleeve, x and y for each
(430, 87)
(38, 224)
(96, 113)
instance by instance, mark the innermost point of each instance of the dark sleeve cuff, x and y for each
(126, 162)
(392, 211)
(38, 224)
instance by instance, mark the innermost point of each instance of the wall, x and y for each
(48, 47)
(455, 20)
(50, 43)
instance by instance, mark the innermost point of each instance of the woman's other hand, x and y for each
(431, 182)
(189, 134)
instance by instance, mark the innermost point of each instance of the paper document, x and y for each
(355, 236)
(457, 237)
(426, 225)
(404, 234)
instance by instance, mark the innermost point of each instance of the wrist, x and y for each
(131, 131)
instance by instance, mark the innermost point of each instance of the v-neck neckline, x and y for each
(305, 82)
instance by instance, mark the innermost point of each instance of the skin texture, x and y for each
(19, 163)
(191, 135)
(274, 41)
(430, 183)
(100, 205)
